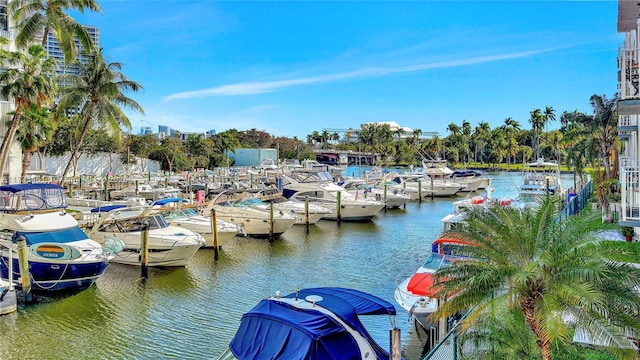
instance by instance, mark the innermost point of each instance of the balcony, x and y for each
(629, 81)
(630, 188)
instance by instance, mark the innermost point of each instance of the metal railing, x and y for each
(447, 348)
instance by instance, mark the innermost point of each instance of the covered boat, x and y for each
(311, 324)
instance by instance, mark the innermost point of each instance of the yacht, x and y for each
(392, 196)
(539, 179)
(168, 245)
(255, 221)
(318, 187)
(61, 256)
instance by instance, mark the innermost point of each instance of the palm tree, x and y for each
(35, 16)
(603, 126)
(549, 268)
(28, 79)
(36, 126)
(98, 91)
(537, 121)
(549, 115)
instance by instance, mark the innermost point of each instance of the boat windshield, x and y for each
(436, 261)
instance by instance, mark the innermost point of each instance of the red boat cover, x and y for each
(420, 284)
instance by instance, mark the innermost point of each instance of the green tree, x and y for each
(547, 267)
(36, 126)
(537, 121)
(28, 79)
(36, 16)
(99, 91)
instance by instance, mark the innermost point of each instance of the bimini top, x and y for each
(29, 197)
(14, 188)
(282, 328)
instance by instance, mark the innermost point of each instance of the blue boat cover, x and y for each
(108, 208)
(277, 330)
(14, 188)
(168, 201)
(58, 236)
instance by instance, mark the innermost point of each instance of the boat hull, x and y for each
(170, 257)
(166, 247)
(56, 276)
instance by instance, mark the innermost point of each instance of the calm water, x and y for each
(193, 312)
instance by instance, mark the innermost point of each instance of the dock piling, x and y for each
(23, 263)
(144, 250)
(214, 231)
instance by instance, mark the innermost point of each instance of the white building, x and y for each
(629, 111)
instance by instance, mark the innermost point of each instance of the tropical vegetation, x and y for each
(538, 277)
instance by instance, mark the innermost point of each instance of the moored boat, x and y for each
(61, 256)
(318, 187)
(540, 178)
(415, 291)
(168, 245)
(310, 324)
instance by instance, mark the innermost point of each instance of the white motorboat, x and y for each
(318, 187)
(168, 245)
(190, 219)
(255, 220)
(393, 196)
(146, 191)
(415, 291)
(418, 185)
(540, 178)
(472, 180)
(61, 256)
(315, 211)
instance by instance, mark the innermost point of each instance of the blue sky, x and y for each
(293, 67)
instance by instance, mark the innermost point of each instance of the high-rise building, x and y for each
(4, 21)
(52, 47)
(163, 129)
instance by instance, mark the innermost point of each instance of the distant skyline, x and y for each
(294, 67)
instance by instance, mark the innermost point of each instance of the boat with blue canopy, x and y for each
(61, 256)
(310, 324)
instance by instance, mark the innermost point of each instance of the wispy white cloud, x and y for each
(260, 87)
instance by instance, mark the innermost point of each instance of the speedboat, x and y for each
(168, 245)
(472, 179)
(318, 187)
(311, 324)
(61, 256)
(422, 186)
(298, 209)
(393, 197)
(540, 178)
(190, 219)
(254, 220)
(415, 291)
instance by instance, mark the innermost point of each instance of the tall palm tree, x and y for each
(549, 268)
(36, 126)
(537, 121)
(603, 126)
(98, 91)
(549, 115)
(28, 79)
(36, 16)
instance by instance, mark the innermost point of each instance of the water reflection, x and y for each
(193, 312)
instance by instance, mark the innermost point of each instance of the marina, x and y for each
(194, 311)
